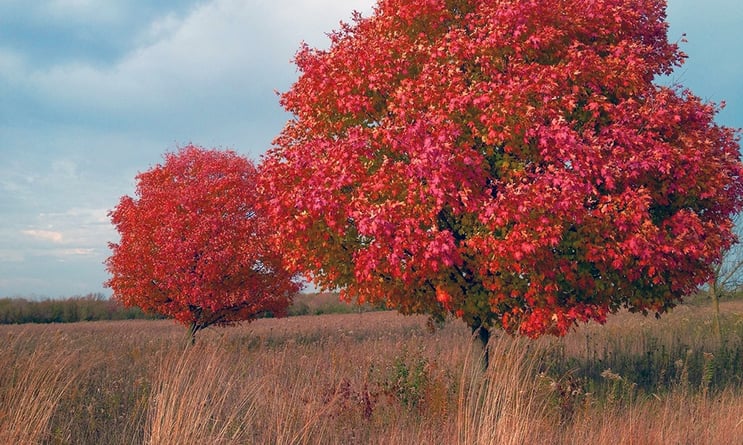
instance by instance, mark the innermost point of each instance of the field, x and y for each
(373, 378)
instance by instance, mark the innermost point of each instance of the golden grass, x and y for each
(196, 399)
(33, 378)
(503, 405)
(677, 418)
(371, 378)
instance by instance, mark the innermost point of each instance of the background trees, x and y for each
(511, 163)
(193, 246)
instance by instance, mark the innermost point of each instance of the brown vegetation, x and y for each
(372, 378)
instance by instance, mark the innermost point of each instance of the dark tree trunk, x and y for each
(197, 323)
(192, 330)
(483, 334)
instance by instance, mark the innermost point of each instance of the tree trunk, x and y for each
(192, 332)
(483, 334)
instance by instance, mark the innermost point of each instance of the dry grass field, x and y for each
(373, 378)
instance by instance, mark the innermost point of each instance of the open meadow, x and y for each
(373, 378)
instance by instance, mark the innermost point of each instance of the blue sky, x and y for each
(94, 91)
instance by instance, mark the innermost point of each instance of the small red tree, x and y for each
(192, 245)
(509, 162)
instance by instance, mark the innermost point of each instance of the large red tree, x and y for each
(193, 246)
(510, 162)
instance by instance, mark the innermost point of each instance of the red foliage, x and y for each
(509, 162)
(192, 245)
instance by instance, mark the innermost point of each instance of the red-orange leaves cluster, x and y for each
(510, 162)
(192, 245)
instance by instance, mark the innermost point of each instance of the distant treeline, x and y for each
(89, 307)
(96, 306)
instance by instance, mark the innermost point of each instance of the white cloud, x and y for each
(44, 235)
(160, 29)
(89, 216)
(221, 49)
(77, 251)
(80, 230)
(79, 227)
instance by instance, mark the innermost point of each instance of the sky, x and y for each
(94, 91)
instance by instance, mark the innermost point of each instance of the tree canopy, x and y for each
(193, 247)
(510, 162)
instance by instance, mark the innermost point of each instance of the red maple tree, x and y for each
(509, 162)
(193, 246)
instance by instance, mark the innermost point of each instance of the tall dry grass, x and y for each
(676, 418)
(372, 378)
(33, 379)
(196, 398)
(504, 404)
